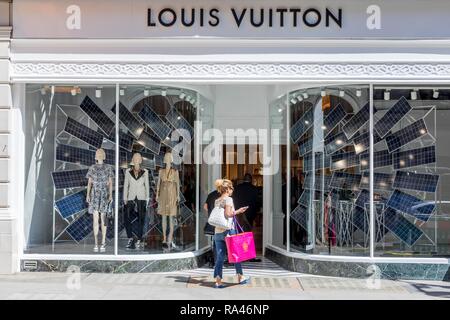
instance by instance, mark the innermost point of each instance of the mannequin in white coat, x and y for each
(136, 193)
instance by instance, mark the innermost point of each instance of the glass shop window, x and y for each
(157, 129)
(328, 173)
(411, 148)
(70, 150)
(71, 170)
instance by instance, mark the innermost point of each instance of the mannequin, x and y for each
(136, 193)
(168, 197)
(99, 195)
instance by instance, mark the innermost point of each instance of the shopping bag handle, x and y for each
(236, 223)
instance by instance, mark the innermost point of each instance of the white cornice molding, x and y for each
(235, 42)
(5, 33)
(117, 72)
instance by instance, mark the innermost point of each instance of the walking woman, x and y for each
(225, 189)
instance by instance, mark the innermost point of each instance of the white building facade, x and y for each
(354, 96)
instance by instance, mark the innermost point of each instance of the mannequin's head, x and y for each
(137, 159)
(100, 155)
(168, 159)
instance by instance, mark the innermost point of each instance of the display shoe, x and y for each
(96, 248)
(130, 243)
(138, 244)
(103, 248)
(173, 245)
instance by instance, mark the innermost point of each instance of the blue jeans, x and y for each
(221, 251)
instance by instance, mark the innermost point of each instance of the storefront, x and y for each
(342, 105)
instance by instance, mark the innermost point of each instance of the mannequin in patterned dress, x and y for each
(99, 195)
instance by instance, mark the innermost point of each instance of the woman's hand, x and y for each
(88, 199)
(241, 210)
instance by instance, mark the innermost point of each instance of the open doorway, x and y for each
(242, 165)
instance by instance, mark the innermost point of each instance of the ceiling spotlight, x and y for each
(188, 99)
(341, 93)
(193, 101)
(294, 100)
(280, 110)
(414, 95)
(387, 95)
(179, 118)
(305, 95)
(164, 92)
(98, 93)
(435, 93)
(323, 93)
(182, 95)
(73, 91)
(358, 93)
(300, 98)
(43, 91)
(146, 92)
(122, 92)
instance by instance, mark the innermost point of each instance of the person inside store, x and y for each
(247, 195)
(189, 194)
(225, 201)
(136, 194)
(100, 195)
(208, 206)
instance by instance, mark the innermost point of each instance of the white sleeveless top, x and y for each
(227, 201)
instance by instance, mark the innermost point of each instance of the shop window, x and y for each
(412, 125)
(323, 180)
(70, 142)
(70, 136)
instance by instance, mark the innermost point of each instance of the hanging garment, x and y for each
(168, 192)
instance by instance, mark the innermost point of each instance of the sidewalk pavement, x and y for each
(190, 285)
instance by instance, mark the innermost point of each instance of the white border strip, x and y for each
(110, 257)
(360, 259)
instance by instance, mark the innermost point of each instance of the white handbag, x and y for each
(217, 219)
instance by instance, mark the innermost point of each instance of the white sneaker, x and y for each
(138, 244)
(103, 248)
(96, 249)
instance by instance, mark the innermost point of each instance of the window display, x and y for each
(409, 121)
(71, 170)
(328, 173)
(170, 220)
(322, 180)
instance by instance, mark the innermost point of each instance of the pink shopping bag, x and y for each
(241, 247)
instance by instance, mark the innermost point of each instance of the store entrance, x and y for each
(241, 164)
